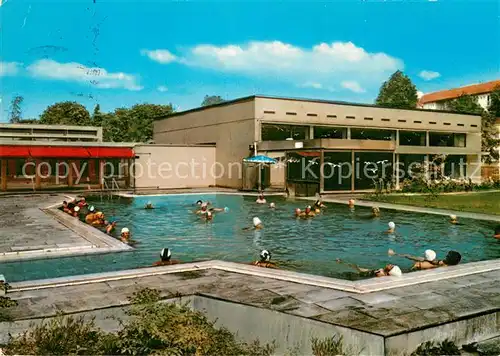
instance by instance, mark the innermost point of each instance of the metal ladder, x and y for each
(110, 186)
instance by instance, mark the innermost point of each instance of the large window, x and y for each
(410, 166)
(447, 139)
(455, 166)
(303, 166)
(412, 138)
(330, 132)
(337, 171)
(278, 132)
(371, 134)
(372, 168)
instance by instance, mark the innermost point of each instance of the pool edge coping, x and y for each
(357, 287)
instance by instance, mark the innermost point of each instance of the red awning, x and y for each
(14, 151)
(58, 152)
(111, 152)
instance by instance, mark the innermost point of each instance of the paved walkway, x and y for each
(386, 313)
(28, 230)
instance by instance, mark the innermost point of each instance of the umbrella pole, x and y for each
(260, 177)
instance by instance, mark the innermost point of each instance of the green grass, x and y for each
(486, 202)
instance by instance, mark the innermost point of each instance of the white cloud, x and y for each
(420, 94)
(312, 85)
(8, 68)
(76, 72)
(162, 56)
(162, 88)
(324, 64)
(428, 75)
(352, 86)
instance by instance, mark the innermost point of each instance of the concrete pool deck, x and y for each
(377, 316)
(31, 228)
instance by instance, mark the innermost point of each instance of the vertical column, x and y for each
(3, 169)
(348, 133)
(321, 173)
(426, 167)
(397, 138)
(71, 169)
(38, 178)
(311, 132)
(427, 139)
(126, 173)
(396, 169)
(353, 170)
(101, 173)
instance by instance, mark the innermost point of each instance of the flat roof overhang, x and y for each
(327, 143)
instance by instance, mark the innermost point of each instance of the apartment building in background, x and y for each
(438, 100)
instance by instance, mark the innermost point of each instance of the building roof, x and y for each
(473, 89)
(253, 97)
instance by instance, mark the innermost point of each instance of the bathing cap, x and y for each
(199, 202)
(91, 208)
(308, 207)
(272, 205)
(452, 258)
(165, 254)
(265, 255)
(77, 208)
(149, 203)
(430, 255)
(453, 217)
(395, 272)
(392, 225)
(256, 221)
(226, 209)
(125, 229)
(298, 210)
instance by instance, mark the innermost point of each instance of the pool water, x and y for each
(310, 246)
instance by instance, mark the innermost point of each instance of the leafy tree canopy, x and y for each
(398, 92)
(66, 113)
(466, 104)
(212, 100)
(494, 107)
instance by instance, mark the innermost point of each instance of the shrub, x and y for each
(153, 328)
(332, 346)
(5, 303)
(446, 347)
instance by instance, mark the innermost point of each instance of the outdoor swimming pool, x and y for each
(310, 246)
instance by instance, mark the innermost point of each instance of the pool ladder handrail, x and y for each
(109, 190)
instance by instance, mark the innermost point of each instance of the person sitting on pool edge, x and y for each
(265, 260)
(261, 199)
(165, 258)
(388, 270)
(149, 206)
(427, 262)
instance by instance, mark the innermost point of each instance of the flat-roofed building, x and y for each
(327, 134)
(50, 133)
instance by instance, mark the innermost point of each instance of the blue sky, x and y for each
(121, 53)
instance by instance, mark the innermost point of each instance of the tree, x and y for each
(212, 100)
(465, 104)
(494, 107)
(134, 124)
(66, 113)
(398, 92)
(97, 116)
(15, 109)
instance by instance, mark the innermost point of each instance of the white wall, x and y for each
(169, 167)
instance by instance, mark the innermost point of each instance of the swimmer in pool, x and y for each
(454, 220)
(257, 224)
(165, 258)
(318, 206)
(272, 206)
(497, 232)
(261, 199)
(392, 228)
(351, 203)
(110, 228)
(388, 270)
(203, 209)
(308, 213)
(125, 235)
(298, 212)
(208, 216)
(375, 212)
(427, 262)
(149, 206)
(265, 260)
